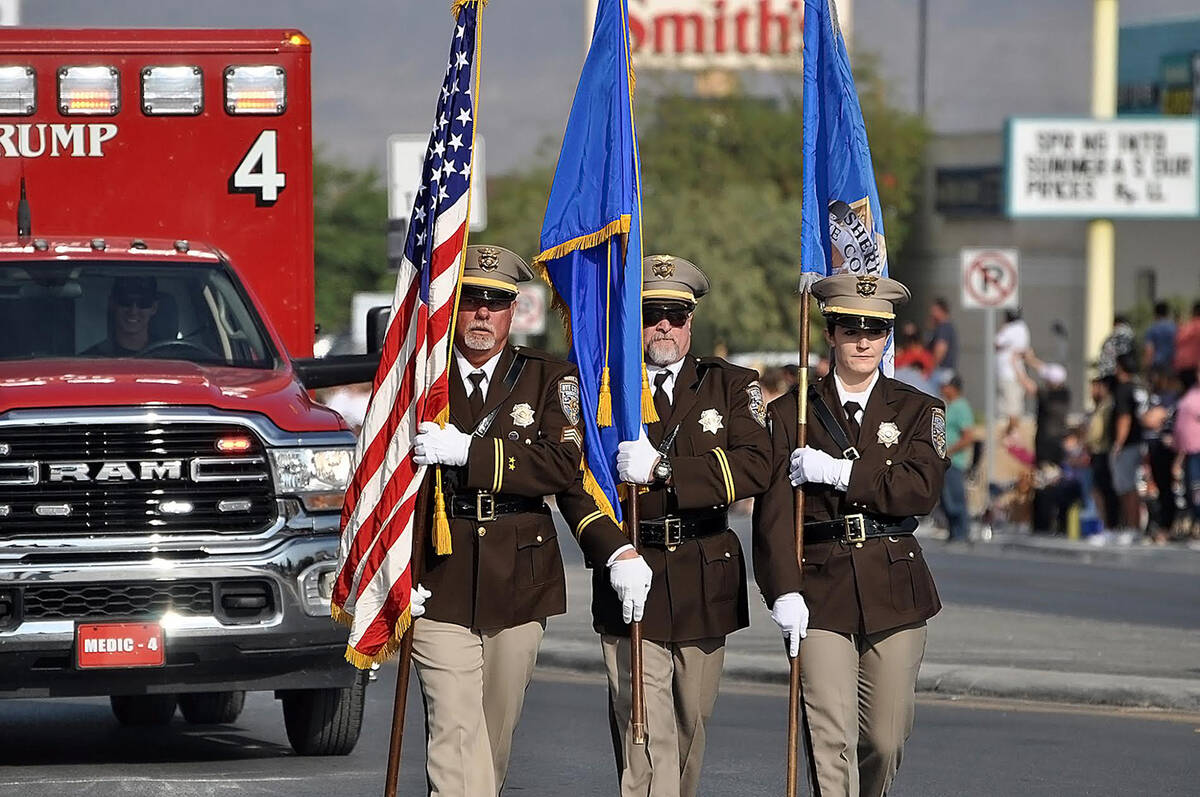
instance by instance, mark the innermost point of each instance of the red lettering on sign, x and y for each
(758, 27)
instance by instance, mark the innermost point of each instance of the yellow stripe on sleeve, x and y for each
(497, 464)
(727, 474)
(587, 521)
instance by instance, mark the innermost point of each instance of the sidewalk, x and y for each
(972, 651)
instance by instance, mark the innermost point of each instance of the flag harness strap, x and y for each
(830, 424)
(510, 379)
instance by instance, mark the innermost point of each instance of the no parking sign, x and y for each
(990, 278)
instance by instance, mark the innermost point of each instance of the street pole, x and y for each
(1101, 237)
(991, 423)
(922, 54)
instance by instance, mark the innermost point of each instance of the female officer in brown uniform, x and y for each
(875, 459)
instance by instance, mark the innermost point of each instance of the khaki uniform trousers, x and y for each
(858, 691)
(681, 681)
(473, 683)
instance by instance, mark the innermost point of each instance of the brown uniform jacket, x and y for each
(878, 584)
(508, 571)
(721, 453)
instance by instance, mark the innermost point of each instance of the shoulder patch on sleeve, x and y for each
(568, 399)
(758, 407)
(939, 431)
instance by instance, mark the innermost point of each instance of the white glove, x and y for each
(813, 466)
(636, 460)
(434, 445)
(416, 601)
(630, 579)
(790, 613)
(807, 280)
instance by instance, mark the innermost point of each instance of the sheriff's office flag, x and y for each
(371, 594)
(591, 251)
(841, 225)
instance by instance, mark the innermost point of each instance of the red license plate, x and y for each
(118, 645)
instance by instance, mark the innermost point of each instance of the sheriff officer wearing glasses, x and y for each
(513, 438)
(874, 461)
(708, 448)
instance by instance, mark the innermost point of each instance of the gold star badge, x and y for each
(512, 463)
(867, 285)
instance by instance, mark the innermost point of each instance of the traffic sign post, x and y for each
(990, 281)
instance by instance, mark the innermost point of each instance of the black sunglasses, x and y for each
(143, 301)
(677, 316)
(473, 303)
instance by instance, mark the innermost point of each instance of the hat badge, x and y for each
(867, 285)
(663, 266)
(489, 258)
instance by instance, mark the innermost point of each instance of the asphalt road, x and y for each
(74, 747)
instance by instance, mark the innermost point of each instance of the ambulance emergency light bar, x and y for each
(172, 90)
(89, 90)
(255, 90)
(18, 91)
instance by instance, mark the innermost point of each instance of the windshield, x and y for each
(111, 309)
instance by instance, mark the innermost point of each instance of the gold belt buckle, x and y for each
(856, 528)
(485, 499)
(672, 532)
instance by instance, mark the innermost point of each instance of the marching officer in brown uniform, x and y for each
(875, 459)
(513, 438)
(709, 447)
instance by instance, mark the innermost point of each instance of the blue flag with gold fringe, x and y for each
(591, 251)
(841, 223)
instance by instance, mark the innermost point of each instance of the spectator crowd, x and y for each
(1127, 470)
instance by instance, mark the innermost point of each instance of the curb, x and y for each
(1127, 691)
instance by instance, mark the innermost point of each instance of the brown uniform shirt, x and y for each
(878, 584)
(720, 454)
(509, 571)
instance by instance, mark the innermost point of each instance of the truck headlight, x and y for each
(316, 588)
(318, 476)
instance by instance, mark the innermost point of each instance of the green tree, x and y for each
(721, 185)
(350, 219)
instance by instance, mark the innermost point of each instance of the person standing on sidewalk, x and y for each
(1012, 382)
(1126, 455)
(875, 460)
(1187, 446)
(960, 437)
(943, 342)
(1160, 340)
(708, 448)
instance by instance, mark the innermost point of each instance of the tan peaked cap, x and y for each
(672, 279)
(494, 268)
(862, 296)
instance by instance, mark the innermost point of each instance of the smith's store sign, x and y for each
(714, 34)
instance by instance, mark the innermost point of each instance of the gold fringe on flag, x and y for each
(457, 5)
(340, 615)
(441, 521)
(592, 488)
(363, 662)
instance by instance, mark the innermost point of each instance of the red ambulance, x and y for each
(169, 493)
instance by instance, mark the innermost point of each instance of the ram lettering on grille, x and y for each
(150, 470)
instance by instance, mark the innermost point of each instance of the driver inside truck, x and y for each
(131, 305)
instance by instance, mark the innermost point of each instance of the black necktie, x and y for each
(662, 399)
(852, 408)
(475, 400)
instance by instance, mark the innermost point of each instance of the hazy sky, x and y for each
(378, 64)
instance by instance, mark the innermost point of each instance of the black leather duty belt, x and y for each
(857, 528)
(671, 530)
(489, 506)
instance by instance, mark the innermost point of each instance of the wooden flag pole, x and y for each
(793, 737)
(420, 529)
(637, 692)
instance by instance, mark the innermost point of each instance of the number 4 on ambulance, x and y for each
(99, 645)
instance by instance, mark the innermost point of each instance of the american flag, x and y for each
(371, 593)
